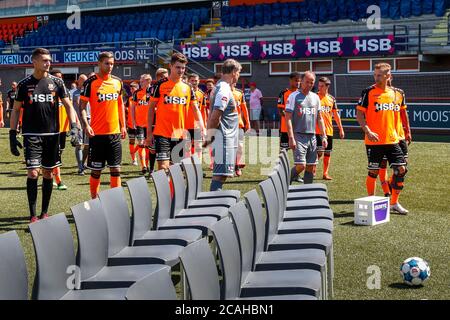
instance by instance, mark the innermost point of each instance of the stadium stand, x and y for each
(166, 24)
(325, 11)
(16, 28)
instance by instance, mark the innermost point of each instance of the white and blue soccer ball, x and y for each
(415, 271)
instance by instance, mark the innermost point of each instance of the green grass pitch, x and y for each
(423, 233)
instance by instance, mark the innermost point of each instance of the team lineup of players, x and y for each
(172, 118)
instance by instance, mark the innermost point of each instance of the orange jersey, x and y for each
(327, 106)
(105, 98)
(172, 103)
(190, 120)
(203, 105)
(128, 112)
(141, 106)
(64, 125)
(401, 100)
(241, 108)
(381, 109)
(282, 100)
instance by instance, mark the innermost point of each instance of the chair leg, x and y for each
(184, 284)
(330, 273)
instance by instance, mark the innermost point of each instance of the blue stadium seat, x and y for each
(116, 37)
(144, 34)
(109, 37)
(427, 6)
(394, 9)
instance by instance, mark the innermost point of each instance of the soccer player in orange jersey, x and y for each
(63, 129)
(131, 129)
(404, 132)
(329, 111)
(103, 91)
(244, 126)
(191, 125)
(139, 114)
(294, 84)
(172, 98)
(377, 111)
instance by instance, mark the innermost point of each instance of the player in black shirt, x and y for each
(10, 97)
(38, 95)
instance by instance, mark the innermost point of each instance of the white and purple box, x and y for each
(370, 211)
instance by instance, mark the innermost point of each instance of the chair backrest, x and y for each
(162, 187)
(53, 244)
(255, 211)
(191, 178)
(230, 259)
(179, 188)
(92, 230)
(271, 205)
(244, 231)
(117, 217)
(199, 173)
(201, 271)
(279, 193)
(13, 270)
(156, 286)
(283, 177)
(141, 204)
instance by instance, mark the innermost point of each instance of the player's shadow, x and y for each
(244, 181)
(340, 215)
(13, 188)
(403, 286)
(7, 223)
(341, 202)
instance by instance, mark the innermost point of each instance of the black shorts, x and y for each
(329, 147)
(284, 140)
(131, 133)
(42, 151)
(393, 153)
(404, 146)
(62, 141)
(169, 149)
(104, 149)
(141, 133)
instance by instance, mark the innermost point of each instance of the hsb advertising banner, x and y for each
(288, 49)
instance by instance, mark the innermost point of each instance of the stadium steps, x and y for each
(205, 31)
(440, 35)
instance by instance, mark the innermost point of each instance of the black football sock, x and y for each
(47, 187)
(32, 195)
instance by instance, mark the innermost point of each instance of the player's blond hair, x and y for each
(383, 66)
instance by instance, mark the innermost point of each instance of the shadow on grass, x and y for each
(243, 181)
(403, 286)
(352, 224)
(341, 201)
(13, 188)
(339, 215)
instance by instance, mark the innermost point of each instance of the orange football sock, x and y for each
(94, 185)
(132, 151)
(115, 181)
(384, 181)
(371, 184)
(326, 164)
(57, 175)
(147, 156)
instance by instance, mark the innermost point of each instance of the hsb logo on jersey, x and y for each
(325, 109)
(175, 100)
(41, 98)
(107, 97)
(387, 107)
(143, 103)
(306, 111)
